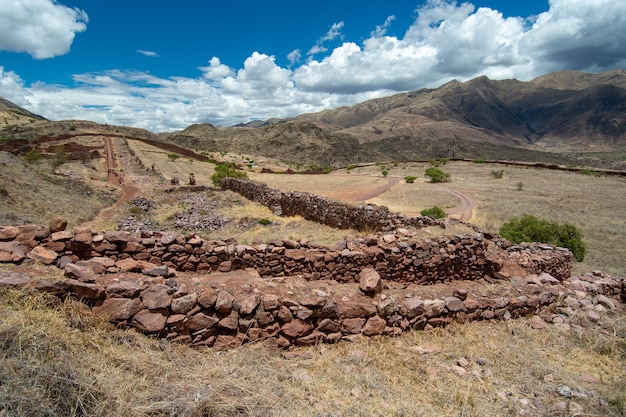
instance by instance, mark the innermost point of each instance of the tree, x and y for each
(435, 212)
(410, 179)
(224, 170)
(532, 229)
(437, 175)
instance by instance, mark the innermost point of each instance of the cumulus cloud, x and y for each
(41, 28)
(445, 41)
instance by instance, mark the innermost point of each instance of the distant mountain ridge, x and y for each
(562, 111)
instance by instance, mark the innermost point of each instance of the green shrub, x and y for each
(497, 173)
(532, 229)
(264, 222)
(435, 212)
(519, 186)
(480, 160)
(33, 155)
(327, 170)
(60, 157)
(436, 175)
(225, 170)
(384, 172)
(592, 173)
(173, 156)
(410, 179)
(438, 162)
(72, 127)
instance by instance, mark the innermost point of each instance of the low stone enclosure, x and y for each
(222, 293)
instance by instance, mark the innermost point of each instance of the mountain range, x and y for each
(555, 117)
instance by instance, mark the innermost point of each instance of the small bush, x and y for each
(497, 174)
(264, 222)
(384, 172)
(532, 229)
(592, 173)
(173, 156)
(436, 175)
(72, 127)
(435, 212)
(410, 179)
(226, 170)
(33, 155)
(438, 162)
(519, 186)
(480, 160)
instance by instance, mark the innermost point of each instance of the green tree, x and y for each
(435, 212)
(532, 229)
(437, 175)
(225, 170)
(410, 179)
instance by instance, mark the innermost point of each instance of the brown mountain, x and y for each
(562, 111)
(12, 114)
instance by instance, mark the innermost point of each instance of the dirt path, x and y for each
(465, 209)
(377, 191)
(114, 177)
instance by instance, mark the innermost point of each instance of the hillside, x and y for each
(564, 111)
(12, 114)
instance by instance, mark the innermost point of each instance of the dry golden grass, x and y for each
(60, 360)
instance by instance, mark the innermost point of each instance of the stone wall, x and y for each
(396, 256)
(294, 292)
(323, 210)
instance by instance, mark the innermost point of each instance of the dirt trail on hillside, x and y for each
(114, 177)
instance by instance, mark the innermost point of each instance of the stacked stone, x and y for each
(205, 315)
(396, 256)
(324, 210)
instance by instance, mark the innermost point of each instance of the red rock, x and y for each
(124, 289)
(352, 325)
(354, 309)
(9, 232)
(225, 266)
(225, 342)
(207, 297)
(90, 291)
(271, 301)
(249, 304)
(117, 236)
(149, 322)
(453, 304)
(157, 296)
(230, 322)
(43, 255)
(296, 328)
(369, 281)
(129, 265)
(12, 252)
(118, 309)
(201, 321)
(62, 236)
(374, 326)
(57, 225)
(412, 307)
(82, 273)
(184, 304)
(537, 322)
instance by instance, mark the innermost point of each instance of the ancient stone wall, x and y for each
(323, 210)
(293, 292)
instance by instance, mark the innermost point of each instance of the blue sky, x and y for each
(165, 65)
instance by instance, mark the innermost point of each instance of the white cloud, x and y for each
(148, 53)
(445, 41)
(382, 30)
(41, 28)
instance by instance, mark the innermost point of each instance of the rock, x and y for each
(297, 328)
(81, 273)
(230, 322)
(590, 379)
(118, 309)
(184, 304)
(463, 362)
(374, 326)
(124, 289)
(249, 304)
(454, 304)
(62, 236)
(224, 302)
(355, 309)
(43, 255)
(9, 232)
(149, 322)
(157, 296)
(426, 348)
(117, 236)
(14, 280)
(207, 297)
(605, 301)
(564, 391)
(537, 323)
(352, 325)
(57, 225)
(201, 321)
(14, 252)
(369, 281)
(90, 291)
(156, 271)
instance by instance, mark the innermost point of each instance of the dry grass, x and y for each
(60, 360)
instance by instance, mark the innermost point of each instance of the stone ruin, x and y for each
(286, 292)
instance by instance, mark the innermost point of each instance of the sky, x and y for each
(163, 65)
